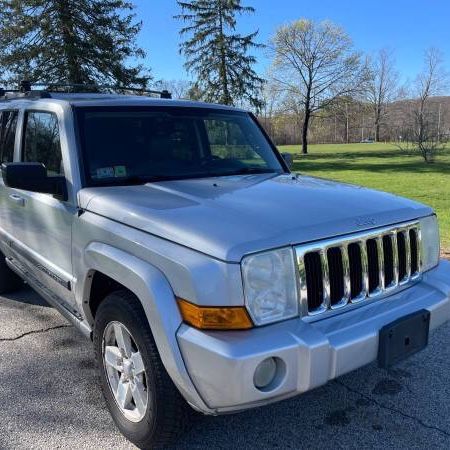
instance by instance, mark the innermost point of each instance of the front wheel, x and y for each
(142, 399)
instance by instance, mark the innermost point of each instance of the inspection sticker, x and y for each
(105, 172)
(120, 171)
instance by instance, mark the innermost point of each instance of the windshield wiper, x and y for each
(251, 170)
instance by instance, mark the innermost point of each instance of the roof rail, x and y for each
(25, 90)
(84, 87)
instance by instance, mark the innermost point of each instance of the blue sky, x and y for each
(407, 27)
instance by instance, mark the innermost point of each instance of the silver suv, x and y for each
(174, 235)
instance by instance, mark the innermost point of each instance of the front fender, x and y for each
(157, 298)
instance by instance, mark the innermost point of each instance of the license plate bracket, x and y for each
(403, 337)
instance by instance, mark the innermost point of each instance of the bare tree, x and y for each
(178, 88)
(315, 63)
(421, 131)
(382, 86)
(346, 114)
(270, 106)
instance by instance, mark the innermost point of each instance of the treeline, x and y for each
(354, 122)
(319, 87)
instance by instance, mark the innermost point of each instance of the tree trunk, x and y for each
(347, 131)
(305, 131)
(377, 123)
(377, 132)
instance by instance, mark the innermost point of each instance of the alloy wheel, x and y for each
(125, 371)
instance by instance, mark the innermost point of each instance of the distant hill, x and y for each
(438, 111)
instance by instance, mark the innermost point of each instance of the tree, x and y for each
(346, 113)
(178, 88)
(217, 54)
(421, 131)
(316, 64)
(381, 87)
(270, 107)
(70, 41)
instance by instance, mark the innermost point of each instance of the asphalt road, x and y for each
(50, 399)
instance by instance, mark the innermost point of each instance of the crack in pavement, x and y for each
(390, 408)
(43, 330)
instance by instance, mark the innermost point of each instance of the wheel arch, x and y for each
(154, 292)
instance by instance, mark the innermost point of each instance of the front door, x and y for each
(42, 224)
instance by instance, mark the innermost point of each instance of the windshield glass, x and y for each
(123, 145)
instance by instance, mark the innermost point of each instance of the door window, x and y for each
(228, 140)
(42, 141)
(8, 124)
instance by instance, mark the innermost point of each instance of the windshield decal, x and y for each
(120, 171)
(105, 172)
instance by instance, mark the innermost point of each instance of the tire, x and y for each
(9, 280)
(167, 414)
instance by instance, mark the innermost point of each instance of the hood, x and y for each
(227, 217)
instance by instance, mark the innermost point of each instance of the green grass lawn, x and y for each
(384, 167)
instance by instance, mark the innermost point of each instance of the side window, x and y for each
(8, 124)
(228, 141)
(42, 143)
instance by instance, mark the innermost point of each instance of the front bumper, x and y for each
(222, 364)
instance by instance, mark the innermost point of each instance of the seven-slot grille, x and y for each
(337, 272)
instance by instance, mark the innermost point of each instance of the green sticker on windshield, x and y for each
(120, 171)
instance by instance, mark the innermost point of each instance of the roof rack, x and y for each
(25, 90)
(98, 87)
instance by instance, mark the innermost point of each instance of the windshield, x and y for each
(122, 145)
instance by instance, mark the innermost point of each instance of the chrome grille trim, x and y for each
(342, 243)
(408, 254)
(346, 268)
(380, 252)
(365, 271)
(395, 257)
(326, 278)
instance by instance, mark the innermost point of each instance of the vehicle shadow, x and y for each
(24, 296)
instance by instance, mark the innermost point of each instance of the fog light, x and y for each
(265, 373)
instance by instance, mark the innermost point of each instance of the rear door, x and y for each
(42, 224)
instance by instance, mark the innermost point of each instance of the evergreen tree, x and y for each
(70, 41)
(217, 54)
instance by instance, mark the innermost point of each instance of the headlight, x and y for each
(429, 230)
(270, 286)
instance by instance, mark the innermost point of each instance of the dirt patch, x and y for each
(339, 417)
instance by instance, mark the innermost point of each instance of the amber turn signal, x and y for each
(215, 318)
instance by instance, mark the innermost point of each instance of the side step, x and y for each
(72, 316)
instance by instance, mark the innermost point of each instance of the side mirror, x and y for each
(288, 159)
(33, 177)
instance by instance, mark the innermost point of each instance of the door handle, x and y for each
(17, 199)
